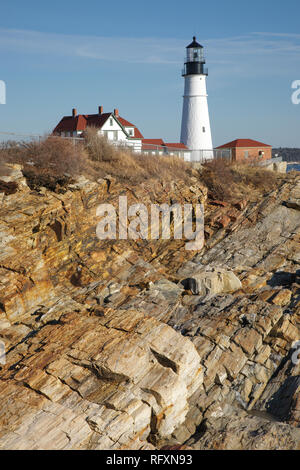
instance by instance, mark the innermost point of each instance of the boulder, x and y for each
(293, 204)
(217, 281)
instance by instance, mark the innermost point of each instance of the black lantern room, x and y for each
(195, 60)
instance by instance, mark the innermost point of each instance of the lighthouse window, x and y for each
(203, 129)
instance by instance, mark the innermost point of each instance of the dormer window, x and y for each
(111, 121)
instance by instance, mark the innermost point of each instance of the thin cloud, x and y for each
(120, 49)
(283, 35)
(250, 54)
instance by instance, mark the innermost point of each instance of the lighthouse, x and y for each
(195, 125)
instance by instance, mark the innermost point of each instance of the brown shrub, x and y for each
(51, 162)
(54, 154)
(229, 181)
(98, 147)
(219, 178)
(4, 170)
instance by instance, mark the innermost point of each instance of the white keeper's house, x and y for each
(118, 131)
(112, 125)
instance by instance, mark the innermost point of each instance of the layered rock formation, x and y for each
(123, 344)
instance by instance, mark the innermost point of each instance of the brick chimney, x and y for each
(116, 112)
(74, 112)
(100, 109)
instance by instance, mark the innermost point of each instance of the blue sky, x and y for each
(129, 55)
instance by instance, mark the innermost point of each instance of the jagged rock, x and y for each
(293, 204)
(215, 282)
(283, 297)
(135, 373)
(106, 350)
(237, 430)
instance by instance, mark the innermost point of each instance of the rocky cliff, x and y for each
(138, 344)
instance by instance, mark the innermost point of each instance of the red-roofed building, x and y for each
(118, 131)
(112, 125)
(158, 146)
(177, 148)
(242, 149)
(176, 145)
(153, 144)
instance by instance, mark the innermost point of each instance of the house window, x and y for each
(111, 121)
(246, 153)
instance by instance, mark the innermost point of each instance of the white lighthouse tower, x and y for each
(195, 125)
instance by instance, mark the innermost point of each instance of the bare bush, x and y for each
(220, 179)
(4, 170)
(228, 181)
(51, 162)
(98, 147)
(53, 154)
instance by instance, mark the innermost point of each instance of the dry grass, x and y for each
(135, 169)
(51, 162)
(128, 166)
(230, 181)
(54, 161)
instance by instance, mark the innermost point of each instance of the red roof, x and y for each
(243, 143)
(152, 144)
(126, 123)
(153, 141)
(175, 145)
(82, 121)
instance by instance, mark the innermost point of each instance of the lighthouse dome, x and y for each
(195, 60)
(194, 44)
